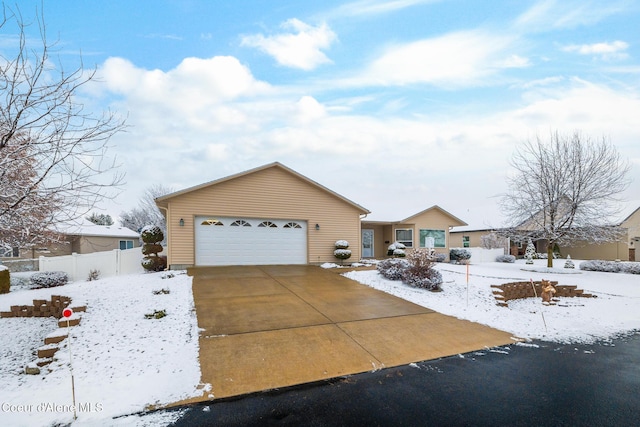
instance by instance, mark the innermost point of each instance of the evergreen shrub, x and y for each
(49, 279)
(5, 280)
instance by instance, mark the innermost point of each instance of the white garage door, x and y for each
(249, 241)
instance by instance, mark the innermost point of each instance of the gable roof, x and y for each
(438, 208)
(162, 201)
(409, 219)
(87, 228)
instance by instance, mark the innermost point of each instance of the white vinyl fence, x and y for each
(479, 255)
(108, 263)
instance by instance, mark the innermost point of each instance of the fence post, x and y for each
(74, 262)
(118, 261)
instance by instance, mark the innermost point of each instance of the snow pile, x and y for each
(615, 311)
(122, 362)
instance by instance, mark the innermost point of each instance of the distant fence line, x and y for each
(479, 255)
(109, 263)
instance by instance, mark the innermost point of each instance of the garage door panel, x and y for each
(228, 244)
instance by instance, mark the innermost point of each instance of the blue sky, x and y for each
(397, 105)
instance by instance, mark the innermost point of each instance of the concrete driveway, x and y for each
(267, 327)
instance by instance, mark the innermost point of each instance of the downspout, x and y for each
(166, 215)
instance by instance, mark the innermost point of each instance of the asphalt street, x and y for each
(540, 384)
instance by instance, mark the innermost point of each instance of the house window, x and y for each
(240, 223)
(9, 252)
(438, 236)
(268, 224)
(292, 225)
(126, 244)
(405, 236)
(465, 241)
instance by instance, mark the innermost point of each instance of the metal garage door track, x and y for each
(267, 327)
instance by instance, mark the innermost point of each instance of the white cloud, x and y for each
(208, 118)
(375, 7)
(455, 59)
(614, 50)
(546, 15)
(309, 109)
(300, 47)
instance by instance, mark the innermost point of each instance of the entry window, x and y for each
(438, 237)
(405, 236)
(126, 244)
(292, 225)
(267, 224)
(240, 223)
(465, 241)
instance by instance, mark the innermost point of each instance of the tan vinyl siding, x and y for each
(267, 193)
(605, 251)
(90, 244)
(433, 219)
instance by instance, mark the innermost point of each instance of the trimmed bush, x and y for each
(611, 266)
(506, 258)
(151, 248)
(154, 263)
(458, 255)
(5, 280)
(631, 267)
(151, 234)
(342, 244)
(438, 257)
(341, 251)
(49, 279)
(396, 249)
(392, 268)
(420, 273)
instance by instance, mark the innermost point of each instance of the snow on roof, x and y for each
(84, 227)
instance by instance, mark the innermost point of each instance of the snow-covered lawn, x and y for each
(122, 362)
(615, 311)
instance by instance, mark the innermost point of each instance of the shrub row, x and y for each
(611, 266)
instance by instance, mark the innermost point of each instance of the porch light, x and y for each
(181, 222)
(317, 226)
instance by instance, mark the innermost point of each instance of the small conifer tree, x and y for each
(530, 252)
(151, 236)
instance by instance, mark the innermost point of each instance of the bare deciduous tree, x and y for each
(53, 153)
(565, 190)
(147, 212)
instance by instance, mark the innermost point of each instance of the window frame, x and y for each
(405, 242)
(422, 238)
(126, 244)
(466, 241)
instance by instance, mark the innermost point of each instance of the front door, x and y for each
(367, 243)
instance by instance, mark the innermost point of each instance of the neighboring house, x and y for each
(81, 238)
(624, 249)
(267, 215)
(429, 227)
(468, 237)
(87, 237)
